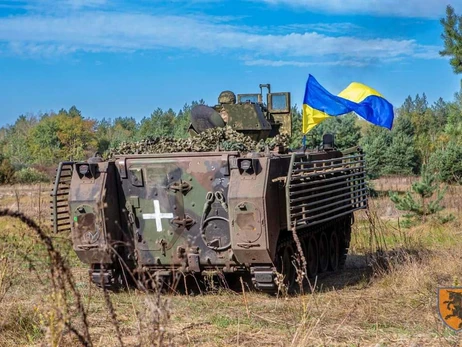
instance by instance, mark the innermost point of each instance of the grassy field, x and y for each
(385, 297)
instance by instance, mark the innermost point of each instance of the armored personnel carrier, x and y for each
(164, 215)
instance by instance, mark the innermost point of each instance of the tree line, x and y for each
(36, 143)
(423, 135)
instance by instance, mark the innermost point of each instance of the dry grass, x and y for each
(383, 299)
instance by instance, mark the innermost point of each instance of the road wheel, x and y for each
(285, 266)
(334, 251)
(311, 256)
(323, 252)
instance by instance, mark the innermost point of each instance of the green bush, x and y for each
(6, 171)
(30, 175)
(447, 163)
(417, 200)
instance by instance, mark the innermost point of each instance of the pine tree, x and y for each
(422, 206)
(400, 156)
(376, 142)
(297, 134)
(452, 36)
(446, 163)
(345, 128)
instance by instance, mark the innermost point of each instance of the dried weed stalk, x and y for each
(6, 274)
(63, 284)
(153, 320)
(300, 265)
(112, 313)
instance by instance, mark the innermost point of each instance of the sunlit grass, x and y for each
(362, 306)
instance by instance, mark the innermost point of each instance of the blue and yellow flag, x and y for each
(366, 102)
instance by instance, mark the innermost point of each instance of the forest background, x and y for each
(424, 136)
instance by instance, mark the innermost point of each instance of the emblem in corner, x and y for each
(450, 306)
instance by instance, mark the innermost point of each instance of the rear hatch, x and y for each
(166, 197)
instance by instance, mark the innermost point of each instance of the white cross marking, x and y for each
(157, 215)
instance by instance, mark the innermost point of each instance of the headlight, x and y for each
(83, 169)
(246, 164)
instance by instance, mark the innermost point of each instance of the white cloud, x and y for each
(85, 3)
(98, 31)
(399, 8)
(58, 7)
(40, 50)
(328, 28)
(279, 63)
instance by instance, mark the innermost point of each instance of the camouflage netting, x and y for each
(225, 139)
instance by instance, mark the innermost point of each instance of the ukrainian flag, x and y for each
(366, 102)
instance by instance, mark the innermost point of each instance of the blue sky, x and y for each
(115, 58)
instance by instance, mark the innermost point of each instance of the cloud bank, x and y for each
(109, 32)
(398, 8)
(91, 28)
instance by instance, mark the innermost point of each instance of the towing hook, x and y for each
(209, 197)
(219, 196)
(221, 199)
